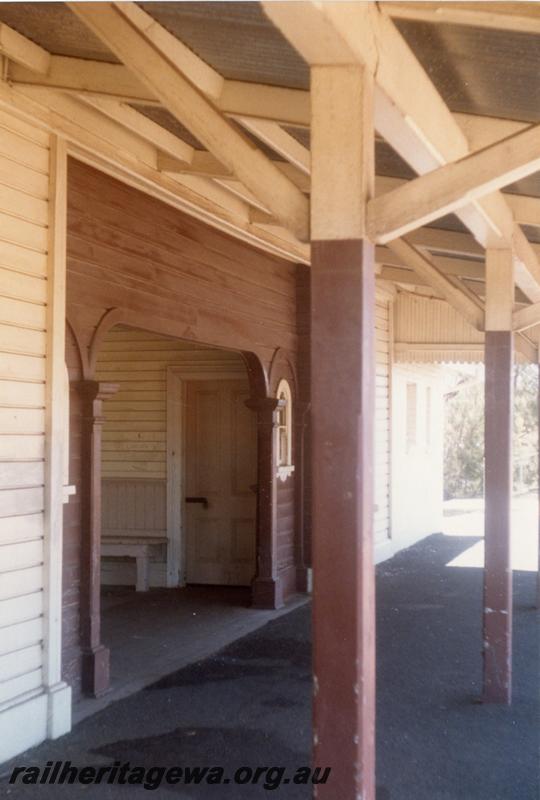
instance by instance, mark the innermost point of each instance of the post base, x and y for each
(302, 580)
(267, 593)
(95, 671)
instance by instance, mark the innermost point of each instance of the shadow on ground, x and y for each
(249, 704)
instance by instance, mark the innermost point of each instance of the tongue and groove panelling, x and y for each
(24, 188)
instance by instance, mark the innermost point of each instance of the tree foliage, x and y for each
(464, 433)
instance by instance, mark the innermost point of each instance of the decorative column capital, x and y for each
(93, 393)
(264, 407)
(96, 390)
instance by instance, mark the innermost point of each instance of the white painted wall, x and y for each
(34, 702)
(417, 466)
(383, 366)
(135, 435)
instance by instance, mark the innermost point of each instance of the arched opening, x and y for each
(178, 460)
(169, 510)
(178, 489)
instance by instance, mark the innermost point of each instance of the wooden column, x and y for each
(343, 380)
(266, 588)
(300, 426)
(95, 666)
(499, 358)
(538, 572)
(56, 445)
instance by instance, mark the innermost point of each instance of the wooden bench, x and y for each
(139, 549)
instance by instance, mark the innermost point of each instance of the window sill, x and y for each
(284, 472)
(67, 492)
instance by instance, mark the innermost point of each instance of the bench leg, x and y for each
(143, 581)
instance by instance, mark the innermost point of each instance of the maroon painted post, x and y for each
(343, 379)
(497, 628)
(95, 656)
(300, 423)
(266, 588)
(342, 416)
(538, 572)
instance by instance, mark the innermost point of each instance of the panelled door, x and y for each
(221, 471)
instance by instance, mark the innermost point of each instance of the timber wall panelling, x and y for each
(134, 448)
(289, 548)
(170, 274)
(32, 403)
(383, 367)
(71, 558)
(427, 330)
(384, 323)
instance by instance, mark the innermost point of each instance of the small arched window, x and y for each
(284, 430)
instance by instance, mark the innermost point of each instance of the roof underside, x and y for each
(478, 70)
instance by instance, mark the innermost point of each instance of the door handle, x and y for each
(202, 500)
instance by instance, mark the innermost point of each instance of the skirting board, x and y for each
(30, 719)
(385, 550)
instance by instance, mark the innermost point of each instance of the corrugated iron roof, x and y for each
(483, 71)
(477, 70)
(56, 28)
(237, 39)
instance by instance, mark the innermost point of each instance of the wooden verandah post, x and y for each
(266, 587)
(95, 666)
(343, 377)
(499, 361)
(538, 560)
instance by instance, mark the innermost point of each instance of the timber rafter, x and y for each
(264, 198)
(168, 71)
(411, 114)
(453, 186)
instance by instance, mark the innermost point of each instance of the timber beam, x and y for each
(527, 317)
(247, 102)
(102, 142)
(182, 158)
(476, 14)
(145, 48)
(526, 209)
(114, 81)
(23, 51)
(411, 114)
(237, 99)
(450, 187)
(459, 267)
(457, 296)
(175, 148)
(206, 165)
(31, 64)
(280, 141)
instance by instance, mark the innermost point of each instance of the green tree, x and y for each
(464, 433)
(464, 439)
(525, 427)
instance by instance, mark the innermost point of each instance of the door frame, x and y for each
(177, 379)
